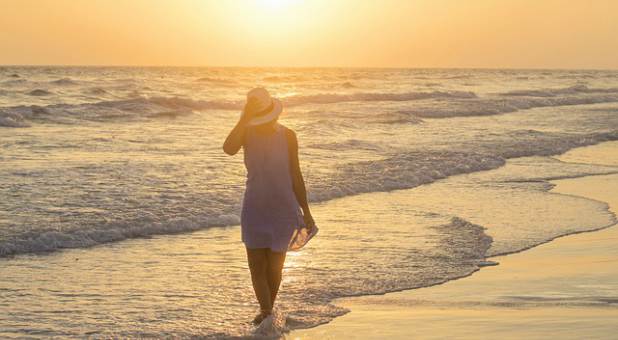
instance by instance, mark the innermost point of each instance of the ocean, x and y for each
(416, 176)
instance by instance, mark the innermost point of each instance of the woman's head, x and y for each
(261, 108)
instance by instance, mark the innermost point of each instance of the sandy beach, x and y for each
(166, 286)
(567, 288)
(120, 223)
(161, 163)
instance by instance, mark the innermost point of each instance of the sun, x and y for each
(267, 24)
(277, 5)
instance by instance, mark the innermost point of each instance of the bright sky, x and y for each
(378, 33)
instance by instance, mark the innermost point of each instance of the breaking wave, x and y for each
(112, 110)
(9, 119)
(413, 168)
(402, 171)
(431, 104)
(161, 106)
(51, 240)
(498, 105)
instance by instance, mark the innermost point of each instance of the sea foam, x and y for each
(402, 171)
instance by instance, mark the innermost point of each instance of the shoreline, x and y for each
(117, 236)
(424, 313)
(52, 241)
(181, 267)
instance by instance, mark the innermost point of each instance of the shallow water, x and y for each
(566, 289)
(141, 155)
(79, 171)
(198, 283)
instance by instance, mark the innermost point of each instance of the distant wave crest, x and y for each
(580, 88)
(165, 106)
(218, 81)
(515, 101)
(64, 82)
(430, 104)
(329, 98)
(39, 92)
(111, 110)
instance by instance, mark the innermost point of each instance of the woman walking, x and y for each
(271, 218)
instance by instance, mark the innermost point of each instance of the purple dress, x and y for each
(270, 212)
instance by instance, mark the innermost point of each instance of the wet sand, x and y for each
(567, 288)
(171, 285)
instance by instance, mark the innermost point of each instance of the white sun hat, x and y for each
(269, 108)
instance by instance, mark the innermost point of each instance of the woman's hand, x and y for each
(309, 222)
(235, 138)
(249, 110)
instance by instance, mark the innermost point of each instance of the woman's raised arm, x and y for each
(235, 139)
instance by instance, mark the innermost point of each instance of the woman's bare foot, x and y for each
(260, 317)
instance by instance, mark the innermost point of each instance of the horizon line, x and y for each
(318, 67)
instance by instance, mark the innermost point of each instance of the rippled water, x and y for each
(97, 155)
(115, 153)
(197, 284)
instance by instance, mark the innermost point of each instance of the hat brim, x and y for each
(268, 117)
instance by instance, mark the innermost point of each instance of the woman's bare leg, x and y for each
(274, 272)
(258, 265)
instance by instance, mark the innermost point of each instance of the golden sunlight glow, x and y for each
(393, 33)
(276, 4)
